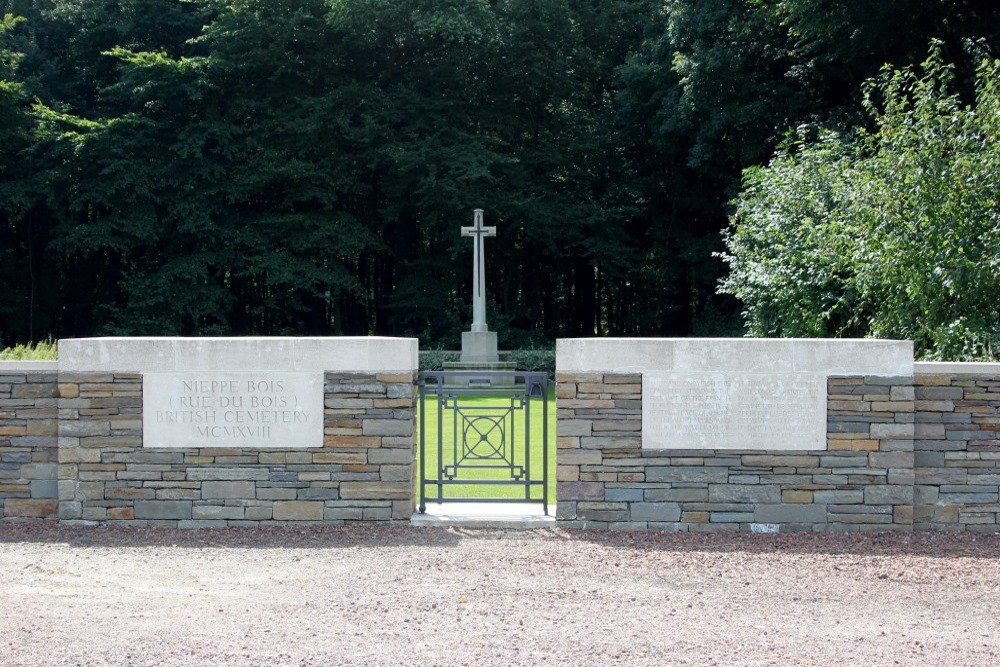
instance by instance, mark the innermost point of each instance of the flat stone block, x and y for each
(68, 390)
(932, 476)
(853, 445)
(376, 490)
(69, 510)
(44, 488)
(967, 498)
(888, 495)
(319, 493)
(39, 470)
(343, 514)
(202, 524)
(655, 511)
(734, 493)
(839, 497)
(298, 510)
(566, 510)
(79, 455)
(602, 425)
(603, 515)
(693, 495)
(227, 474)
(30, 508)
(41, 427)
(891, 459)
(228, 489)
(586, 403)
(779, 461)
(716, 475)
(787, 513)
(84, 428)
(623, 495)
(928, 431)
(216, 512)
(797, 496)
(579, 457)
(89, 491)
(348, 458)
(579, 491)
(163, 509)
(610, 442)
(35, 390)
(352, 441)
(276, 493)
(383, 456)
(178, 494)
(891, 431)
(933, 406)
(566, 473)
(574, 427)
(730, 517)
(397, 427)
(393, 473)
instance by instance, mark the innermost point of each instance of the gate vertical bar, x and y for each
(440, 444)
(423, 446)
(545, 446)
(527, 441)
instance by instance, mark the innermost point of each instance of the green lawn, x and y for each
(488, 414)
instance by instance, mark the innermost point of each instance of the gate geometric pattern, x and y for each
(483, 439)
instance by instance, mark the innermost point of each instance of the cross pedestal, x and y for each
(479, 347)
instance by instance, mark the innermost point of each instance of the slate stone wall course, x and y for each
(957, 452)
(28, 444)
(363, 472)
(862, 482)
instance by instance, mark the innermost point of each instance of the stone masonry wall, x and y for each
(864, 481)
(363, 472)
(957, 447)
(27, 444)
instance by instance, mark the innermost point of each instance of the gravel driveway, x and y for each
(436, 596)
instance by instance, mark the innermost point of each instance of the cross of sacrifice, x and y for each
(478, 233)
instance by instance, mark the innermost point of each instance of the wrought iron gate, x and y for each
(483, 438)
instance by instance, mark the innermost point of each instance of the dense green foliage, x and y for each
(303, 166)
(893, 233)
(46, 350)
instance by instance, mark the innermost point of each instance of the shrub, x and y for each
(433, 360)
(533, 360)
(46, 350)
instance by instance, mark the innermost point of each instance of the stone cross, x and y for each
(478, 233)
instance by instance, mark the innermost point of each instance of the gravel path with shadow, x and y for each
(434, 596)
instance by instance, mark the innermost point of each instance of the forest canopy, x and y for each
(199, 167)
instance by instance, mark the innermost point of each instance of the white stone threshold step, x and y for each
(514, 516)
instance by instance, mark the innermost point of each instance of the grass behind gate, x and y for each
(490, 491)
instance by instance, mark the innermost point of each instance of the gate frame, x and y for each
(531, 381)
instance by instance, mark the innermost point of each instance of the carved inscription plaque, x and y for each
(232, 409)
(773, 411)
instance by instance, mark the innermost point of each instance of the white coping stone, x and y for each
(145, 355)
(956, 368)
(15, 366)
(258, 409)
(735, 393)
(869, 356)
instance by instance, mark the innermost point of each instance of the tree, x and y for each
(14, 136)
(892, 233)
